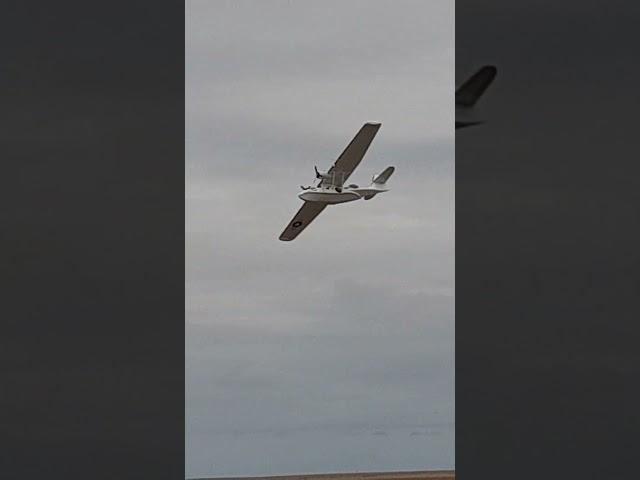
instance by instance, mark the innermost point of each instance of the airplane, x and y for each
(331, 189)
(469, 92)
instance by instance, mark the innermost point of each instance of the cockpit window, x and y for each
(353, 185)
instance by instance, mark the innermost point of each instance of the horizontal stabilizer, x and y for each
(466, 124)
(471, 90)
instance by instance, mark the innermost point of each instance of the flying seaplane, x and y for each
(332, 188)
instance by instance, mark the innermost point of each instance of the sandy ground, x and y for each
(427, 475)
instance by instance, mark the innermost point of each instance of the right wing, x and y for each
(304, 217)
(470, 91)
(350, 158)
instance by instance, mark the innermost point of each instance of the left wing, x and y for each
(302, 219)
(350, 158)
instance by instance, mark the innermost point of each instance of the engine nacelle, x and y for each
(321, 175)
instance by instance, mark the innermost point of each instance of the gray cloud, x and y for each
(299, 356)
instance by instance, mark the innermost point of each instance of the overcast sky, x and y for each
(334, 352)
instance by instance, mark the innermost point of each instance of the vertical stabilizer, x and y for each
(470, 91)
(382, 178)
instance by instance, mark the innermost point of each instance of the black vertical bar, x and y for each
(93, 237)
(547, 199)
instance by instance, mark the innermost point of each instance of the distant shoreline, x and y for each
(414, 475)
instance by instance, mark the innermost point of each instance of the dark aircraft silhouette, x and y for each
(469, 92)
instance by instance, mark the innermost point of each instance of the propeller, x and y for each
(318, 174)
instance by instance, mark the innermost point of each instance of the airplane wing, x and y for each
(470, 91)
(350, 158)
(302, 219)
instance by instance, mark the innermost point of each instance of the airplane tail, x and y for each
(470, 91)
(382, 178)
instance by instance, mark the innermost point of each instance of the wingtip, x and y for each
(374, 124)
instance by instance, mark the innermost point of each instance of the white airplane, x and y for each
(470, 92)
(331, 189)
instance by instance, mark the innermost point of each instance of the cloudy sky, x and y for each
(334, 352)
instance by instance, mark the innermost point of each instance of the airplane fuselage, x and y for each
(333, 195)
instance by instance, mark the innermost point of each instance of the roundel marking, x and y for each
(296, 224)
